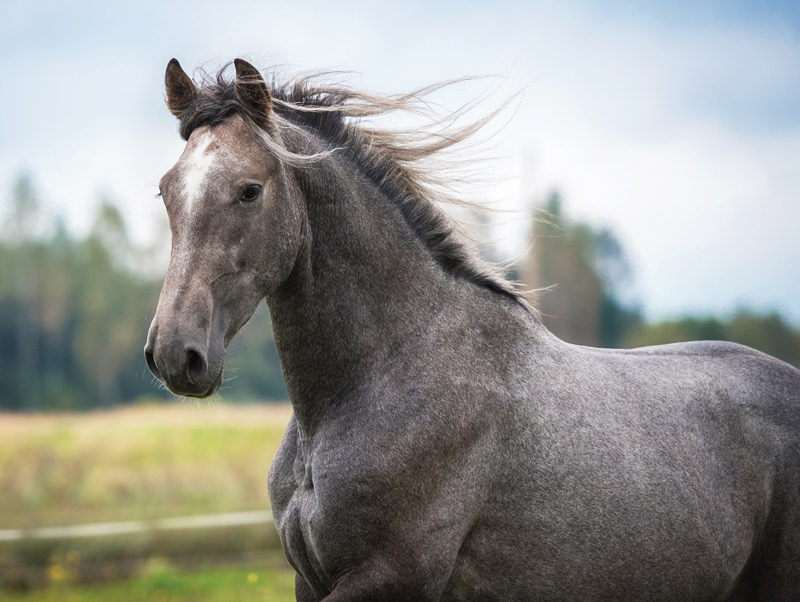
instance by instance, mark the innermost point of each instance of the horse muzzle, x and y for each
(184, 366)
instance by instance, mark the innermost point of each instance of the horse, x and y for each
(444, 445)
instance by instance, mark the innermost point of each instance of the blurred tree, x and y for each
(24, 271)
(676, 331)
(111, 234)
(109, 304)
(24, 214)
(253, 368)
(768, 333)
(74, 315)
(582, 269)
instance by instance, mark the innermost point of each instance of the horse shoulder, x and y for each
(409, 482)
(282, 478)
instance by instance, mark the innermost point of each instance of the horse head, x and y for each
(234, 218)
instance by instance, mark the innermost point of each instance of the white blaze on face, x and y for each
(195, 167)
(198, 163)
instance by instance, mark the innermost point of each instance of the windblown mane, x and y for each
(397, 160)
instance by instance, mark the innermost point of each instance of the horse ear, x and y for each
(181, 90)
(252, 92)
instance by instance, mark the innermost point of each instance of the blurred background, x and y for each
(648, 175)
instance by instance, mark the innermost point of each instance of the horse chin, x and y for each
(198, 390)
(215, 385)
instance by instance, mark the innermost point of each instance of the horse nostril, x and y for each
(195, 366)
(151, 363)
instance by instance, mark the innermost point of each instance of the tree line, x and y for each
(74, 310)
(583, 271)
(74, 314)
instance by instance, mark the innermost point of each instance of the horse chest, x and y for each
(297, 535)
(295, 508)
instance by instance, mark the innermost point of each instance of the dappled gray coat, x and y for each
(444, 445)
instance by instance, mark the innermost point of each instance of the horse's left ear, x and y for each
(181, 90)
(252, 92)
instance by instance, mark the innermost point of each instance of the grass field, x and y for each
(161, 583)
(143, 462)
(137, 462)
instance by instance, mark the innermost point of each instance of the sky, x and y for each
(674, 125)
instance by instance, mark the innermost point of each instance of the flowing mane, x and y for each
(398, 161)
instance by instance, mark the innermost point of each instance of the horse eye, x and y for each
(250, 193)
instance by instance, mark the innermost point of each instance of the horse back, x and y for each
(680, 460)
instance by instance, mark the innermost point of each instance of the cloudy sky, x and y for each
(676, 126)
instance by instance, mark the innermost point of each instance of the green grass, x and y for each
(138, 463)
(135, 463)
(161, 583)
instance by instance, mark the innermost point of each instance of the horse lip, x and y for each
(215, 385)
(190, 389)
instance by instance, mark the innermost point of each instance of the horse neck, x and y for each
(364, 287)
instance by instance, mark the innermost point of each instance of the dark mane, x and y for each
(390, 158)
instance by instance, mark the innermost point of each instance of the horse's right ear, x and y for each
(252, 92)
(181, 90)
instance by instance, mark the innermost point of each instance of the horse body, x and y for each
(444, 445)
(642, 475)
(635, 488)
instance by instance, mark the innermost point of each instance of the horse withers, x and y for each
(444, 445)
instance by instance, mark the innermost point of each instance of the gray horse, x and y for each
(444, 445)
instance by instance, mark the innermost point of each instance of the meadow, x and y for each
(136, 462)
(141, 462)
(164, 584)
